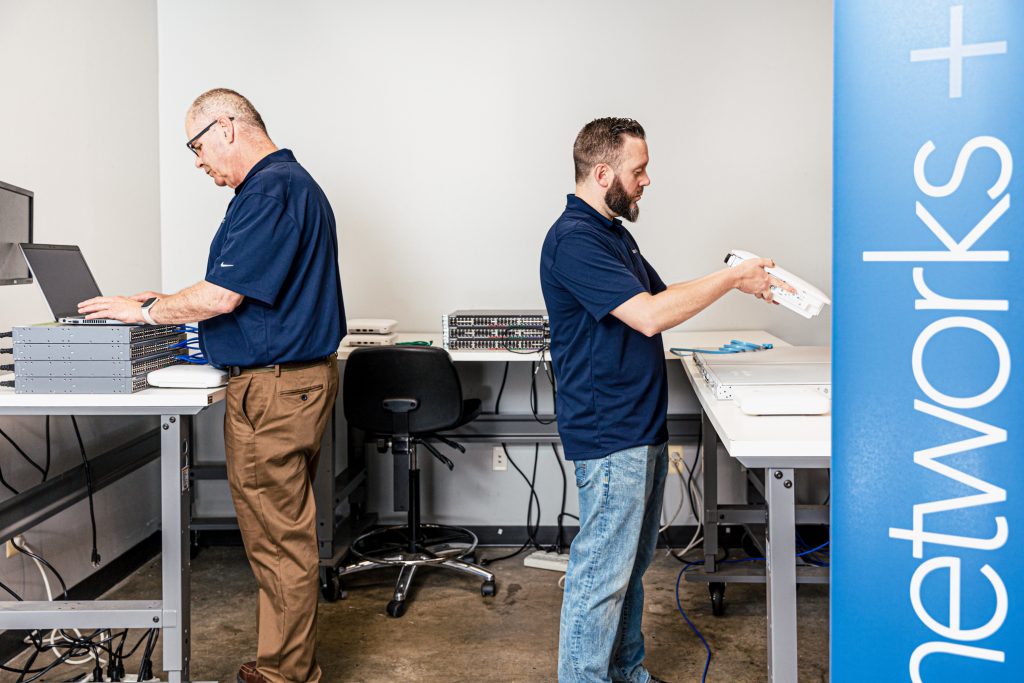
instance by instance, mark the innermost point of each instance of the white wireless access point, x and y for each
(808, 300)
(369, 340)
(191, 376)
(783, 400)
(371, 326)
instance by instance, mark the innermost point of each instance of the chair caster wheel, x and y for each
(330, 588)
(488, 589)
(717, 591)
(396, 608)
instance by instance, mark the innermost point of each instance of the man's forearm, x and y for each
(200, 301)
(651, 314)
(683, 300)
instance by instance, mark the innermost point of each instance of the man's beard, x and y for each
(620, 203)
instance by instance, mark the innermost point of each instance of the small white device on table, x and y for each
(370, 332)
(191, 376)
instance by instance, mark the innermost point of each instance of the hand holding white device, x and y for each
(808, 299)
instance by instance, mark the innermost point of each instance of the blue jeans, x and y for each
(620, 508)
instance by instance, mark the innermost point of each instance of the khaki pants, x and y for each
(273, 424)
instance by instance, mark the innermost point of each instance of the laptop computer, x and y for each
(64, 277)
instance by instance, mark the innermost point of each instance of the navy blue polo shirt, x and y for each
(278, 247)
(612, 384)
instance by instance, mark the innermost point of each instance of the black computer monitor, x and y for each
(15, 228)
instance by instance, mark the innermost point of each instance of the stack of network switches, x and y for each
(91, 359)
(521, 331)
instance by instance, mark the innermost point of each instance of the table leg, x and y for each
(709, 448)
(781, 575)
(175, 498)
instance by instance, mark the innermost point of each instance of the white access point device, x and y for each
(782, 400)
(369, 340)
(191, 376)
(808, 300)
(371, 326)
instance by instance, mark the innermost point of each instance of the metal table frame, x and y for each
(172, 612)
(777, 446)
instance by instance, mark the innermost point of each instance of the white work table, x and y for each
(764, 440)
(778, 444)
(172, 613)
(148, 402)
(671, 339)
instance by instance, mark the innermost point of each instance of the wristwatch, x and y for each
(146, 305)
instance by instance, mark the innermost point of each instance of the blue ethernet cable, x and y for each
(734, 346)
(679, 604)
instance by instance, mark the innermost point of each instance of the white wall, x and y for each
(442, 133)
(79, 121)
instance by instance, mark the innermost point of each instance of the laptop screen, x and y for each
(61, 272)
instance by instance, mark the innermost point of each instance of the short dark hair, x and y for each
(600, 142)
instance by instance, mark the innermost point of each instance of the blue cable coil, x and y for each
(734, 346)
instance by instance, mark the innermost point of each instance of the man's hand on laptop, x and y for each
(123, 308)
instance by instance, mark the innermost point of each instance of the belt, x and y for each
(236, 371)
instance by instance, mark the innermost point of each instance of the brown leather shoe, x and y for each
(248, 673)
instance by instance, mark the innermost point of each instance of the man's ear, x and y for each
(603, 175)
(227, 127)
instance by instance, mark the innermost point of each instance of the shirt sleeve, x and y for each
(594, 274)
(258, 250)
(657, 284)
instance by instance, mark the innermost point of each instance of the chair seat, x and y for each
(470, 411)
(471, 408)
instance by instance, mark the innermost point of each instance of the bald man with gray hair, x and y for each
(271, 312)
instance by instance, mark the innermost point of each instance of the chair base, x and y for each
(439, 545)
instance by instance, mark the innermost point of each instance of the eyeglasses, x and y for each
(190, 144)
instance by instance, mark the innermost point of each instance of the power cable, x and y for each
(90, 488)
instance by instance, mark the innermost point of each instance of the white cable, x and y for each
(698, 499)
(682, 494)
(52, 638)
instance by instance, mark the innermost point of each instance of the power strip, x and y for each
(546, 559)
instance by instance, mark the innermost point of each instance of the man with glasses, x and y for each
(270, 311)
(608, 308)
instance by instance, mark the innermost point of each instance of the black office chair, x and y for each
(405, 396)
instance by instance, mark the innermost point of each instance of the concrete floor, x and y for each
(451, 633)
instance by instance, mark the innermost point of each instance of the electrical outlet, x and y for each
(9, 548)
(675, 459)
(499, 462)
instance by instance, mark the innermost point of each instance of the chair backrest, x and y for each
(376, 374)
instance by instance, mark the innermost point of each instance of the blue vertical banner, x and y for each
(928, 359)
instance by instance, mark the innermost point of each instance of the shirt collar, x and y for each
(272, 158)
(574, 202)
